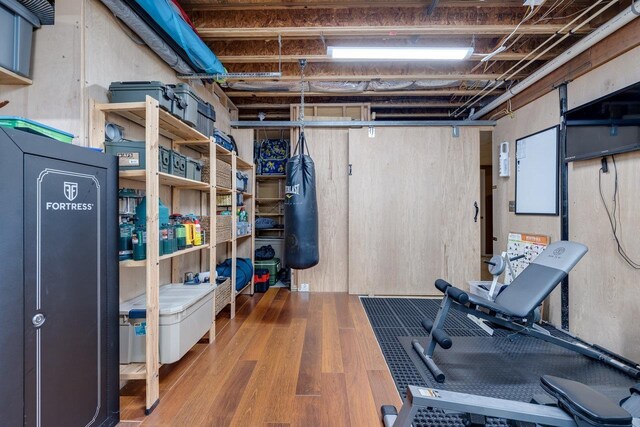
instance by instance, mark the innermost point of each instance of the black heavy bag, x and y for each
(301, 211)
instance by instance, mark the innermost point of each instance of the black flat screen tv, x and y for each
(606, 126)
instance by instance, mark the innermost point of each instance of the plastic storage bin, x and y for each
(242, 181)
(30, 126)
(16, 36)
(273, 265)
(194, 169)
(132, 155)
(189, 111)
(206, 118)
(223, 140)
(186, 313)
(178, 166)
(138, 91)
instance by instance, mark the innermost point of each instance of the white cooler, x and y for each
(186, 314)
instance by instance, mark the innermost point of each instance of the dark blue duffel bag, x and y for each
(244, 271)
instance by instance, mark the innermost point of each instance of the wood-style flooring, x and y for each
(286, 359)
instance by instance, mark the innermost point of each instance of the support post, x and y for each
(152, 136)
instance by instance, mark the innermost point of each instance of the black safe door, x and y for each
(65, 293)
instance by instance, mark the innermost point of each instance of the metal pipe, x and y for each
(360, 123)
(590, 40)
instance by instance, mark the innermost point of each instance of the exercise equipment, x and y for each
(514, 308)
(300, 205)
(568, 404)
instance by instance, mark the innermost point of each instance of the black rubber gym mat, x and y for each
(504, 365)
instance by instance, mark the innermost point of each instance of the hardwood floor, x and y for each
(287, 359)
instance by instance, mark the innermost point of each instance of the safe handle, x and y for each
(38, 320)
(477, 210)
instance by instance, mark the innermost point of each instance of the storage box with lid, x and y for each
(137, 91)
(223, 140)
(206, 118)
(178, 165)
(186, 106)
(132, 155)
(186, 314)
(16, 37)
(273, 265)
(194, 169)
(26, 125)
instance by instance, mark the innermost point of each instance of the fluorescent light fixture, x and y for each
(401, 53)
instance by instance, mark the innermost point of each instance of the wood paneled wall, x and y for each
(604, 294)
(329, 149)
(411, 209)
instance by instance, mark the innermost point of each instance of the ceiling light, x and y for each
(401, 53)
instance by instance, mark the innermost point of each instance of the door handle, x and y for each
(38, 320)
(477, 210)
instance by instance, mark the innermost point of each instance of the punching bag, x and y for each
(301, 211)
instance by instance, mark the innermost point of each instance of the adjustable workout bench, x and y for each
(573, 405)
(514, 308)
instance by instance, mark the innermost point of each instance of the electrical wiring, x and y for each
(500, 80)
(532, 11)
(613, 214)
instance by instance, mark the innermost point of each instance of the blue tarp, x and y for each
(165, 14)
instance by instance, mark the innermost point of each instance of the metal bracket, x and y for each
(455, 131)
(372, 132)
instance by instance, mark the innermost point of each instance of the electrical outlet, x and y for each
(512, 205)
(304, 287)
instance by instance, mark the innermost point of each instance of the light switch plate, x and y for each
(512, 206)
(304, 287)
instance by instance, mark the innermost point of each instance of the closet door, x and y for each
(412, 196)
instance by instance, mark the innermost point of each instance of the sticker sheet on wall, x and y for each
(529, 245)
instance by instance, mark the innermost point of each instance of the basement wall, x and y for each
(604, 291)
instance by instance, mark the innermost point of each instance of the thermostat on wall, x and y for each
(504, 159)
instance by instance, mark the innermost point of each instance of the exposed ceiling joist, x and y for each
(216, 5)
(274, 59)
(413, 93)
(369, 32)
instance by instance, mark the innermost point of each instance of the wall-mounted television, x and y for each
(606, 126)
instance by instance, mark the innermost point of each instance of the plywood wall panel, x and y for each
(329, 149)
(411, 200)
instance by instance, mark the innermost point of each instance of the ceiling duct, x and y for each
(337, 87)
(269, 86)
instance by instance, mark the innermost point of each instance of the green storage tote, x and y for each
(132, 155)
(273, 265)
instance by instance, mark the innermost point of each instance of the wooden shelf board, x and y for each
(269, 214)
(224, 241)
(221, 150)
(269, 199)
(243, 236)
(242, 290)
(170, 126)
(166, 179)
(270, 229)
(246, 195)
(132, 263)
(269, 177)
(133, 371)
(223, 190)
(243, 164)
(8, 77)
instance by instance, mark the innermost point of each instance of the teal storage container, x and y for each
(178, 165)
(132, 155)
(138, 91)
(26, 125)
(194, 169)
(186, 105)
(141, 213)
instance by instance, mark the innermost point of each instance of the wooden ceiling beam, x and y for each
(274, 59)
(413, 93)
(217, 5)
(380, 31)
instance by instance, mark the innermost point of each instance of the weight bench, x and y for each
(514, 308)
(570, 404)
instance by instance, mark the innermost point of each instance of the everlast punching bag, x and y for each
(301, 211)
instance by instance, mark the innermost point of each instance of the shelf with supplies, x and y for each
(269, 199)
(270, 177)
(166, 179)
(158, 122)
(8, 77)
(143, 263)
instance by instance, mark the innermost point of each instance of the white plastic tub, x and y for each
(186, 314)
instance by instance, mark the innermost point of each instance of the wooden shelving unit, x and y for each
(8, 77)
(158, 122)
